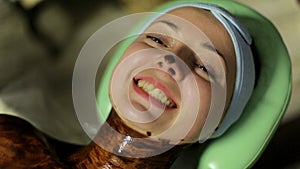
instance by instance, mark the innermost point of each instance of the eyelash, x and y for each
(209, 75)
(156, 40)
(203, 68)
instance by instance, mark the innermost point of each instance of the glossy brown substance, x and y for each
(23, 147)
(95, 156)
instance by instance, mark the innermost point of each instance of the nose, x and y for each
(172, 65)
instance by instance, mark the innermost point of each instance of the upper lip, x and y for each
(158, 85)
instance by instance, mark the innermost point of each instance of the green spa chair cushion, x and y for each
(244, 142)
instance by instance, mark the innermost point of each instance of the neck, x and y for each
(118, 146)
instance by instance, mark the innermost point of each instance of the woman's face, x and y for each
(168, 72)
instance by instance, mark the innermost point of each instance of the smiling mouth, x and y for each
(155, 93)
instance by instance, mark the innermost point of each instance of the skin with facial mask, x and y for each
(160, 72)
(179, 59)
(167, 75)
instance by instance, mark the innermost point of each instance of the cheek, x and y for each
(134, 47)
(204, 102)
(204, 90)
(205, 97)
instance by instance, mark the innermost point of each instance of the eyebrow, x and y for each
(170, 24)
(212, 48)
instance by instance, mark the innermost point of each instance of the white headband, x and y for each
(245, 72)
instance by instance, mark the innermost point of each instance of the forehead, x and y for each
(209, 25)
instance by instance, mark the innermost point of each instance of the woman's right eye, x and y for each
(156, 40)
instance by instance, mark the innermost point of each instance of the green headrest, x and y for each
(243, 143)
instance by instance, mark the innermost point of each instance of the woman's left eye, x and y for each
(201, 67)
(204, 72)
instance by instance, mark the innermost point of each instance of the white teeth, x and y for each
(155, 93)
(141, 83)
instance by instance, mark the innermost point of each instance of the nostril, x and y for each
(170, 59)
(172, 71)
(160, 64)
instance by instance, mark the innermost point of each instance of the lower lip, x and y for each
(150, 98)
